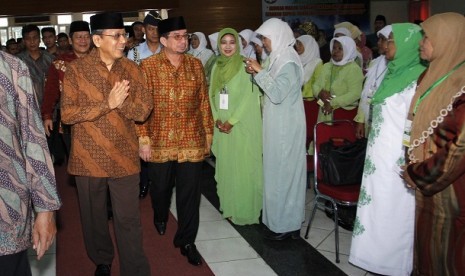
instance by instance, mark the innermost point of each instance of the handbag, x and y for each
(341, 161)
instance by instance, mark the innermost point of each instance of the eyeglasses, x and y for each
(117, 35)
(180, 36)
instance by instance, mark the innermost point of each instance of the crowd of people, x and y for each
(135, 110)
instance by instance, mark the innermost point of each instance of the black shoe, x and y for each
(282, 236)
(103, 270)
(144, 189)
(161, 227)
(193, 256)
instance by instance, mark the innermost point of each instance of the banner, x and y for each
(324, 13)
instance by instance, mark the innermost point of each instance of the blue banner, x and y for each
(324, 13)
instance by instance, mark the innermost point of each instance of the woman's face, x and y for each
(426, 48)
(267, 44)
(382, 44)
(258, 49)
(228, 45)
(244, 42)
(299, 47)
(195, 42)
(391, 47)
(338, 52)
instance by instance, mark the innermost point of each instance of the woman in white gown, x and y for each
(382, 239)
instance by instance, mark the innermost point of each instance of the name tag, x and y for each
(407, 132)
(224, 99)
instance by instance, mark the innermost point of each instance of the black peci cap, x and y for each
(171, 24)
(107, 20)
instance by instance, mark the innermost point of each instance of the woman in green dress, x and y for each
(339, 85)
(237, 138)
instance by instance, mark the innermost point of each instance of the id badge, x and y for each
(407, 132)
(224, 101)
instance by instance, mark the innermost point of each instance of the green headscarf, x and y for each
(405, 67)
(226, 67)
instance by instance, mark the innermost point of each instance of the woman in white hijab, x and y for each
(260, 52)
(284, 161)
(340, 84)
(199, 47)
(350, 30)
(341, 31)
(247, 49)
(309, 53)
(213, 39)
(373, 78)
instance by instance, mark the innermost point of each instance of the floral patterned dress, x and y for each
(382, 239)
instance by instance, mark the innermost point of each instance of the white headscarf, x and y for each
(386, 31)
(354, 30)
(349, 48)
(254, 39)
(310, 57)
(282, 40)
(202, 44)
(213, 42)
(201, 52)
(343, 31)
(247, 35)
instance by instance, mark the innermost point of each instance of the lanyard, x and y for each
(435, 84)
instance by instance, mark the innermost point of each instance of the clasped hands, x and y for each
(225, 127)
(325, 97)
(118, 94)
(252, 66)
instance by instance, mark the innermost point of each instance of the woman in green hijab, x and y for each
(237, 138)
(382, 239)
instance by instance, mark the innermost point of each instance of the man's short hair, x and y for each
(29, 28)
(62, 35)
(381, 17)
(137, 23)
(10, 41)
(49, 30)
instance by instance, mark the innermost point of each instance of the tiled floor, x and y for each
(228, 253)
(321, 237)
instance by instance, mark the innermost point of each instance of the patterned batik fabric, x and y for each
(54, 84)
(180, 127)
(27, 179)
(104, 141)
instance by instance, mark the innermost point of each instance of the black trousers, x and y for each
(15, 264)
(124, 193)
(186, 178)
